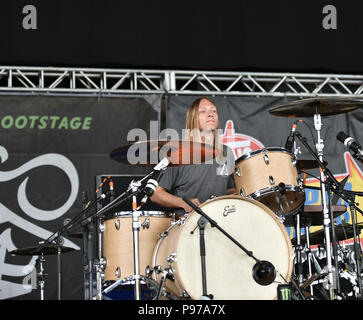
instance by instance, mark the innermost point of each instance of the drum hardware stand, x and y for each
(298, 248)
(202, 222)
(357, 249)
(308, 253)
(327, 178)
(41, 274)
(326, 218)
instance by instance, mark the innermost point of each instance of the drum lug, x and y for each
(118, 272)
(163, 234)
(271, 180)
(238, 173)
(266, 159)
(117, 224)
(148, 271)
(171, 258)
(185, 295)
(158, 269)
(169, 273)
(103, 263)
(299, 182)
(146, 224)
(294, 160)
(242, 192)
(101, 226)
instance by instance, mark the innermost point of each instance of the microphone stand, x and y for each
(202, 222)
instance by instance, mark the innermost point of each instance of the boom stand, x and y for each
(326, 220)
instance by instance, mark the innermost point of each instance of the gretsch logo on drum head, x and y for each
(229, 209)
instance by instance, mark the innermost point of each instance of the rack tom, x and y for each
(270, 176)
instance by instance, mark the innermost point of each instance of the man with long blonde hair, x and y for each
(198, 182)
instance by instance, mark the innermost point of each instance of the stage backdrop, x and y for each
(247, 125)
(51, 149)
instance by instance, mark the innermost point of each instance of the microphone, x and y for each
(291, 138)
(150, 186)
(264, 273)
(350, 144)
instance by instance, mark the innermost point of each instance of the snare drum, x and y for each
(270, 176)
(118, 242)
(228, 268)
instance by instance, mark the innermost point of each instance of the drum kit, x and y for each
(242, 250)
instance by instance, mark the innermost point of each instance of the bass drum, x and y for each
(228, 268)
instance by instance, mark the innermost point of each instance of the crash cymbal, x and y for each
(313, 215)
(309, 107)
(149, 153)
(47, 250)
(342, 232)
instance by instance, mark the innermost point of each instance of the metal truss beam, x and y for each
(44, 80)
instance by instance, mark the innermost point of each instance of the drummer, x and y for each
(198, 182)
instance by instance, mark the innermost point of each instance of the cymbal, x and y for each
(313, 215)
(342, 232)
(149, 153)
(47, 250)
(310, 107)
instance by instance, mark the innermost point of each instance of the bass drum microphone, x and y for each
(264, 273)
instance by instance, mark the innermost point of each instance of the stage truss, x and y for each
(106, 82)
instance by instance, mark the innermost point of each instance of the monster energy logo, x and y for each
(285, 292)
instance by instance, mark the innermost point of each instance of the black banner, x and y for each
(51, 150)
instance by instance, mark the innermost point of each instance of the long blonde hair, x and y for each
(192, 132)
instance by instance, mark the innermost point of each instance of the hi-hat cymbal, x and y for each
(47, 250)
(342, 232)
(310, 107)
(149, 153)
(313, 215)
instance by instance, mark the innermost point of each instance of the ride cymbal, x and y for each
(149, 153)
(312, 106)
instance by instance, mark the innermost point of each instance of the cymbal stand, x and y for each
(41, 274)
(326, 219)
(135, 233)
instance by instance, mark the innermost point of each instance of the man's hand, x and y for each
(188, 208)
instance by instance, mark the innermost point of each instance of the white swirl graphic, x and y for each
(51, 159)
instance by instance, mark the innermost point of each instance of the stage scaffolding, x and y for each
(109, 82)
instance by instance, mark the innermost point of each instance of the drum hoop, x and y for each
(265, 191)
(128, 214)
(264, 150)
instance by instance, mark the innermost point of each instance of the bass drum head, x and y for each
(228, 268)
